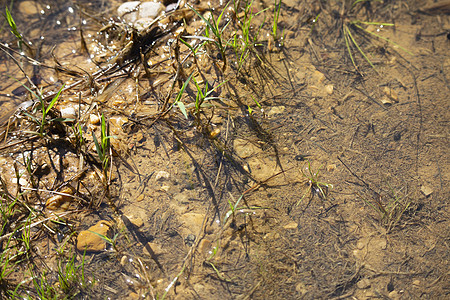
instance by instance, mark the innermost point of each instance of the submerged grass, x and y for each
(315, 185)
(352, 28)
(20, 220)
(390, 208)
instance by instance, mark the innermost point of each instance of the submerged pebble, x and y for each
(68, 112)
(60, 202)
(140, 14)
(162, 176)
(91, 240)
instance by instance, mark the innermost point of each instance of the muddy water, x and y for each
(341, 174)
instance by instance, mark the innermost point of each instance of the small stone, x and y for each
(215, 133)
(192, 221)
(416, 282)
(22, 181)
(318, 77)
(94, 119)
(291, 225)
(329, 89)
(124, 260)
(136, 221)
(394, 295)
(426, 190)
(62, 202)
(156, 248)
(381, 244)
(390, 93)
(140, 198)
(363, 284)
(68, 112)
(91, 240)
(129, 11)
(143, 23)
(164, 188)
(386, 100)
(204, 247)
(162, 176)
(150, 10)
(118, 121)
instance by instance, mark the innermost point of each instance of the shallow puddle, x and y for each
(302, 161)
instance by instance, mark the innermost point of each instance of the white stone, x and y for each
(129, 11)
(143, 23)
(162, 175)
(68, 112)
(140, 13)
(150, 9)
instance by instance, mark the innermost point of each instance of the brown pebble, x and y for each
(91, 240)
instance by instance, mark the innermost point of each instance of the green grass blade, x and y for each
(54, 100)
(12, 24)
(359, 49)
(98, 148)
(385, 39)
(183, 109)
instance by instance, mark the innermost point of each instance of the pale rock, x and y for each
(291, 225)
(329, 89)
(162, 176)
(360, 244)
(394, 295)
(381, 244)
(136, 221)
(363, 284)
(318, 77)
(386, 100)
(426, 190)
(156, 248)
(124, 260)
(390, 93)
(118, 121)
(301, 288)
(90, 240)
(22, 181)
(164, 188)
(150, 10)
(204, 247)
(68, 112)
(143, 23)
(140, 13)
(129, 11)
(94, 119)
(262, 168)
(192, 221)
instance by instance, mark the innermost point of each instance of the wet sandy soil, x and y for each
(341, 178)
